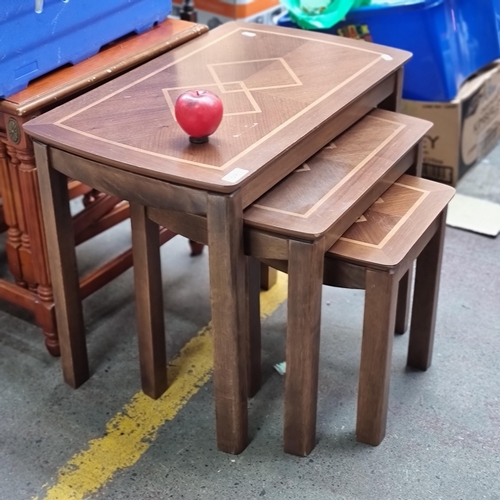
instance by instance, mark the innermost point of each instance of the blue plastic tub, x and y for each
(449, 39)
(478, 28)
(65, 31)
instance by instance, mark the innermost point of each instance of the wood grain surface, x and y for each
(386, 232)
(312, 200)
(277, 86)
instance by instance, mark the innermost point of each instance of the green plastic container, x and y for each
(318, 17)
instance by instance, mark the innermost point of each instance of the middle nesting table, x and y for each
(286, 94)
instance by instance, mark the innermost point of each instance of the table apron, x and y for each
(128, 186)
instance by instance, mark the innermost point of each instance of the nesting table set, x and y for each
(293, 101)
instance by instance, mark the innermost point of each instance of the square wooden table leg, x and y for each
(228, 298)
(149, 302)
(62, 260)
(425, 300)
(268, 277)
(305, 280)
(376, 355)
(404, 302)
(253, 326)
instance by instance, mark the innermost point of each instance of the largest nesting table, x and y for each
(286, 94)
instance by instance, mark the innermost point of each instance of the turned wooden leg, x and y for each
(376, 355)
(228, 297)
(41, 282)
(404, 302)
(19, 156)
(149, 302)
(45, 318)
(62, 259)
(13, 218)
(253, 327)
(268, 277)
(305, 279)
(196, 248)
(425, 300)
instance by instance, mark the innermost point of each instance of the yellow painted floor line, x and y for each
(133, 429)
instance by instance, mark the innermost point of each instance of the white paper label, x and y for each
(235, 175)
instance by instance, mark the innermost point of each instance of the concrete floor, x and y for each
(443, 439)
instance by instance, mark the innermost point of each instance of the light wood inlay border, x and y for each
(226, 165)
(344, 180)
(403, 219)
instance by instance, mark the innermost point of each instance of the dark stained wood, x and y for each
(395, 226)
(404, 302)
(376, 354)
(425, 302)
(60, 240)
(118, 183)
(263, 245)
(274, 87)
(149, 302)
(228, 297)
(191, 226)
(112, 61)
(329, 191)
(402, 223)
(253, 346)
(393, 102)
(281, 106)
(302, 345)
(323, 135)
(268, 277)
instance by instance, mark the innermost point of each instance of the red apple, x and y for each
(199, 113)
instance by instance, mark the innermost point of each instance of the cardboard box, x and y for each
(216, 12)
(465, 129)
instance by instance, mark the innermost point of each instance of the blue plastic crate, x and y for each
(450, 40)
(477, 25)
(64, 31)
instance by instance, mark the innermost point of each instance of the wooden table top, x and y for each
(278, 86)
(319, 194)
(387, 231)
(115, 58)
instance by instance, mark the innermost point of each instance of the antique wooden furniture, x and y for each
(286, 94)
(406, 223)
(25, 245)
